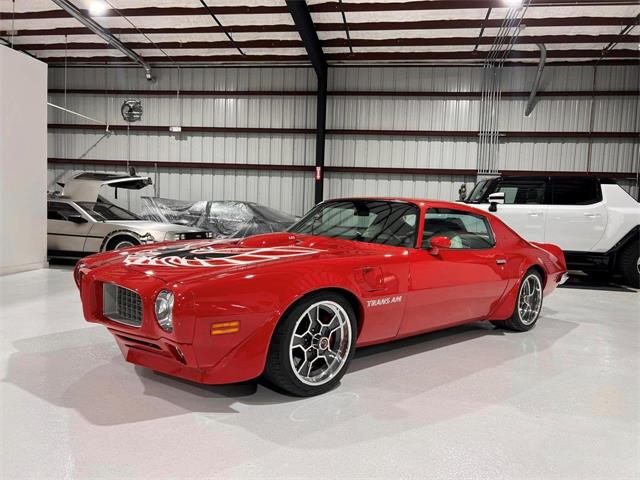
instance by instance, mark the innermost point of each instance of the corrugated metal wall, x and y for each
(288, 191)
(293, 191)
(612, 114)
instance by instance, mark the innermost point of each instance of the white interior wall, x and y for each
(293, 191)
(23, 153)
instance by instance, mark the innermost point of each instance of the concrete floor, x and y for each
(561, 401)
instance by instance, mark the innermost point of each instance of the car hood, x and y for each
(195, 259)
(144, 226)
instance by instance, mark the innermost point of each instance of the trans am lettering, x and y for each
(378, 302)
(206, 254)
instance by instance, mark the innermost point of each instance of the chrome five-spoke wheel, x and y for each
(312, 344)
(320, 342)
(530, 299)
(528, 303)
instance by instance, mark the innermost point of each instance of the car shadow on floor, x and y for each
(581, 281)
(84, 371)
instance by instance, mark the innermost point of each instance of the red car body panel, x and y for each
(396, 291)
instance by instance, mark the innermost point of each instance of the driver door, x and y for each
(458, 284)
(62, 234)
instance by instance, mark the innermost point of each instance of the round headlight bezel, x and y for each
(163, 308)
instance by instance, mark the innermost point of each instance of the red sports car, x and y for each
(293, 306)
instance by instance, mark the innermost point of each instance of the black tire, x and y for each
(628, 264)
(516, 322)
(118, 240)
(279, 370)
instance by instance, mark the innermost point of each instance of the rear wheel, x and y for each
(528, 304)
(312, 345)
(629, 264)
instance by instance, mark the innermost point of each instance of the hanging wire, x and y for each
(140, 31)
(178, 97)
(66, 53)
(13, 22)
(489, 128)
(346, 26)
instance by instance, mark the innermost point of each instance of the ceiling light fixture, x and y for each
(513, 3)
(97, 8)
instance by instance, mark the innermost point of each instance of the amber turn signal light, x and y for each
(225, 327)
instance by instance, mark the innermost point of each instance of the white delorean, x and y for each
(81, 222)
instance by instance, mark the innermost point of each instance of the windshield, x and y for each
(102, 212)
(371, 221)
(479, 191)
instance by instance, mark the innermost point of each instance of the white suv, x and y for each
(594, 221)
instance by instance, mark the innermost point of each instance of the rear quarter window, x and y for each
(575, 191)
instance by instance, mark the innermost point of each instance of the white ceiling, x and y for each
(39, 41)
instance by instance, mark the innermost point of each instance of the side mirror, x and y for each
(437, 243)
(77, 219)
(494, 200)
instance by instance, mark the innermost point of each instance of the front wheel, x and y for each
(312, 345)
(120, 242)
(528, 304)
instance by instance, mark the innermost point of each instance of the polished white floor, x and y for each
(562, 401)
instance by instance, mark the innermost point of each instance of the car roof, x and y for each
(421, 202)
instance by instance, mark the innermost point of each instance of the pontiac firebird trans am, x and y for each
(293, 306)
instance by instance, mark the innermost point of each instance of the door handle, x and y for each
(501, 261)
(591, 215)
(534, 214)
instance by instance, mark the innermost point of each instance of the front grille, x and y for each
(121, 305)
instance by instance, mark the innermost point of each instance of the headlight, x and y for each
(164, 310)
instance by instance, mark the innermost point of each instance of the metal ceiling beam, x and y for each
(339, 27)
(340, 42)
(340, 93)
(222, 28)
(628, 54)
(302, 19)
(386, 6)
(103, 33)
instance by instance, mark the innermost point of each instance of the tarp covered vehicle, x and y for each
(226, 219)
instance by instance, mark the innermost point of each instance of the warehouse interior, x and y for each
(274, 106)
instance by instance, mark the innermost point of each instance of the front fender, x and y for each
(257, 301)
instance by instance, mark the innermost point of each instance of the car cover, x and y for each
(226, 219)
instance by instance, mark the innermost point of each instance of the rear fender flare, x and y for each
(505, 306)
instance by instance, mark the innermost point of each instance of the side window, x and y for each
(575, 191)
(59, 211)
(465, 230)
(520, 192)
